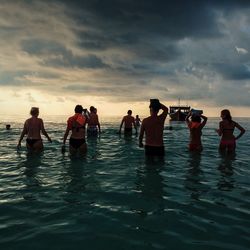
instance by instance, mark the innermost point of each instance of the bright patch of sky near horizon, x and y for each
(116, 55)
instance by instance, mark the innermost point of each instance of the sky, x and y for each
(117, 54)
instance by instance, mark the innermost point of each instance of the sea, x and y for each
(116, 199)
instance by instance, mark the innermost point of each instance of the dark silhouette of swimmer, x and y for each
(153, 127)
(76, 124)
(226, 131)
(8, 127)
(33, 128)
(128, 122)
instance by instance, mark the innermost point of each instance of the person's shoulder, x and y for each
(146, 119)
(71, 118)
(235, 123)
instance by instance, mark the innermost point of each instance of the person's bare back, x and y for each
(33, 127)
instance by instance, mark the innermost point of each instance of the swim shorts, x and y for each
(153, 150)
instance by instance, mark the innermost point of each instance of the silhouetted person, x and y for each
(195, 126)
(137, 121)
(8, 127)
(153, 127)
(129, 122)
(93, 122)
(33, 128)
(76, 124)
(226, 131)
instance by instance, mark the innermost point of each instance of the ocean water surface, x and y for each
(116, 199)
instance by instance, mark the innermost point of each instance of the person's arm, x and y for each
(242, 131)
(121, 125)
(98, 124)
(204, 121)
(142, 130)
(44, 131)
(165, 110)
(187, 120)
(24, 132)
(219, 131)
(66, 135)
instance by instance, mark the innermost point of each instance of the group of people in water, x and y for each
(151, 127)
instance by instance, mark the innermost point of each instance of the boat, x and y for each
(178, 113)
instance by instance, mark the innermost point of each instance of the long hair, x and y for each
(226, 114)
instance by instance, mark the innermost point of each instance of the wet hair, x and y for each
(92, 109)
(129, 112)
(34, 111)
(195, 118)
(78, 109)
(226, 114)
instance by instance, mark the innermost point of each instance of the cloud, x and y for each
(127, 50)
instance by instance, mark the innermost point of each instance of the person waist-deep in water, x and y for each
(153, 127)
(33, 127)
(129, 123)
(76, 124)
(93, 123)
(195, 126)
(226, 131)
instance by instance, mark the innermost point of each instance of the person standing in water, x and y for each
(195, 126)
(33, 128)
(76, 124)
(137, 121)
(226, 131)
(129, 122)
(93, 123)
(153, 127)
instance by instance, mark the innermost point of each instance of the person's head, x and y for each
(78, 109)
(196, 118)
(225, 115)
(137, 116)
(154, 106)
(34, 111)
(129, 112)
(8, 126)
(92, 109)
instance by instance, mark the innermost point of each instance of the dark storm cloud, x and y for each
(119, 48)
(56, 55)
(175, 19)
(233, 71)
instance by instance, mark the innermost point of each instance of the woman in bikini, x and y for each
(195, 126)
(33, 128)
(76, 124)
(226, 130)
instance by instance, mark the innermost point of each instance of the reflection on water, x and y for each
(150, 184)
(194, 176)
(226, 182)
(30, 165)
